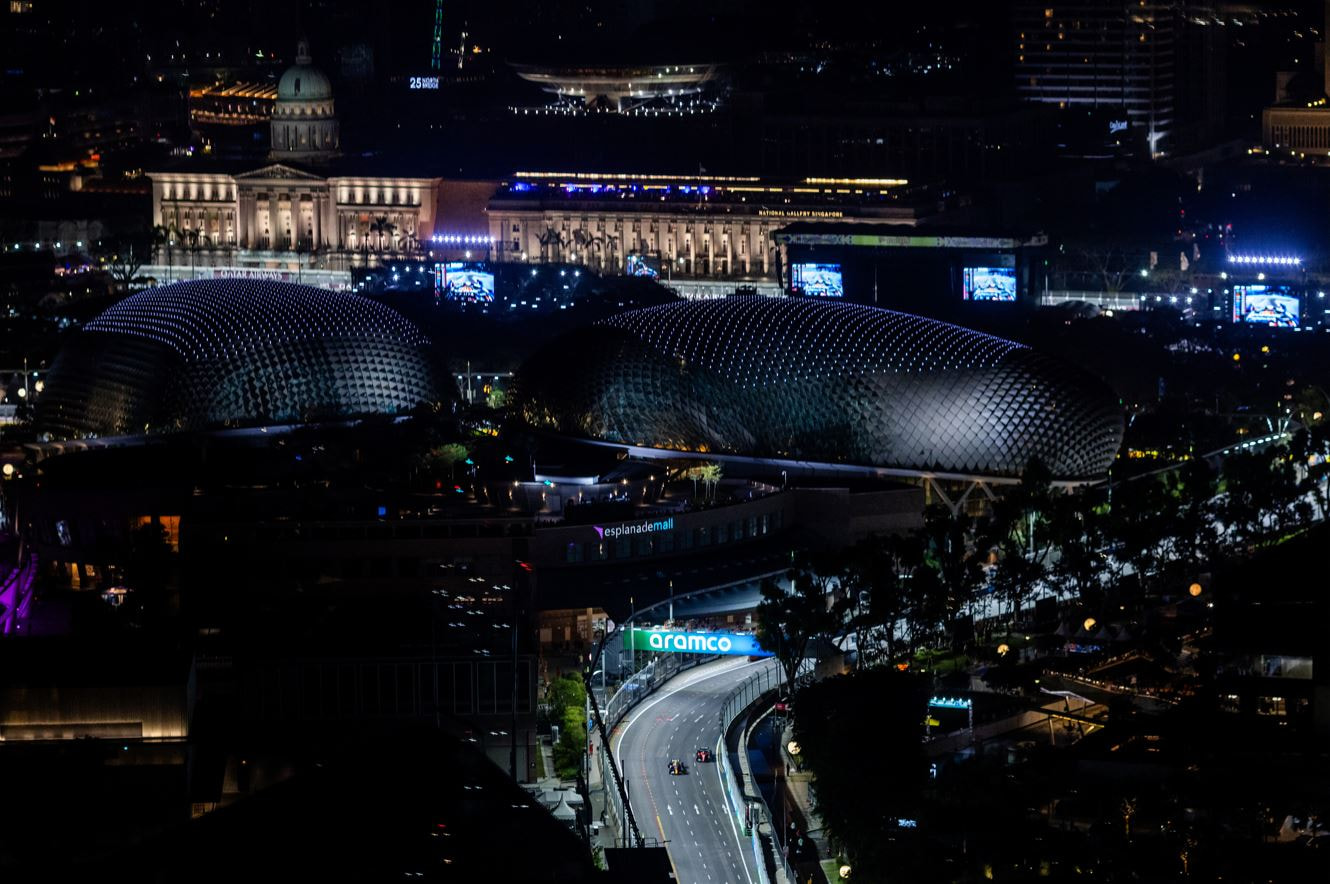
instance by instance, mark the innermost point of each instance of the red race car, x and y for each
(705, 755)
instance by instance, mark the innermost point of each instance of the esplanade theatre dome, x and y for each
(826, 382)
(229, 352)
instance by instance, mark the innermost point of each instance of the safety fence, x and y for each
(744, 798)
(632, 691)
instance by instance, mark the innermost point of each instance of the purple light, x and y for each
(1279, 260)
(16, 596)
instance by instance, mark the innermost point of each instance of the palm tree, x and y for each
(411, 242)
(165, 234)
(711, 475)
(381, 226)
(551, 241)
(191, 237)
(950, 549)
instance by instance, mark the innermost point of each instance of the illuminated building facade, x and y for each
(232, 104)
(304, 121)
(1101, 54)
(620, 87)
(695, 226)
(305, 209)
(283, 208)
(1301, 130)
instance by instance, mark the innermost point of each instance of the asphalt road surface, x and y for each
(687, 813)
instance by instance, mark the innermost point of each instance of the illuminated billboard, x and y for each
(467, 282)
(817, 280)
(641, 265)
(1271, 305)
(989, 284)
(670, 641)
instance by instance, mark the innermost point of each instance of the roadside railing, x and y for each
(630, 693)
(744, 798)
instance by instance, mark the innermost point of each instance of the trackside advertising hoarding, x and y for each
(664, 640)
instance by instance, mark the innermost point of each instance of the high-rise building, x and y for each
(1113, 55)
(1301, 128)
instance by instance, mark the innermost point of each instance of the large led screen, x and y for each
(1271, 305)
(817, 280)
(640, 265)
(989, 284)
(467, 282)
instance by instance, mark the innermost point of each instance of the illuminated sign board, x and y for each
(882, 241)
(950, 703)
(423, 83)
(668, 641)
(630, 528)
(800, 213)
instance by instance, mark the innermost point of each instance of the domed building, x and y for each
(230, 352)
(304, 125)
(830, 383)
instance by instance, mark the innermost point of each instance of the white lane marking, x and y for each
(669, 808)
(728, 813)
(623, 734)
(696, 811)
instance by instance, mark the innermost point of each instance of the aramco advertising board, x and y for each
(669, 641)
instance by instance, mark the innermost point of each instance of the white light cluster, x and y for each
(461, 238)
(1282, 260)
(757, 341)
(824, 381)
(214, 352)
(220, 318)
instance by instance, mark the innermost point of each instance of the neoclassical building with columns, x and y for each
(691, 226)
(284, 208)
(309, 210)
(305, 209)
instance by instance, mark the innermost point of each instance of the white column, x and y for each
(317, 208)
